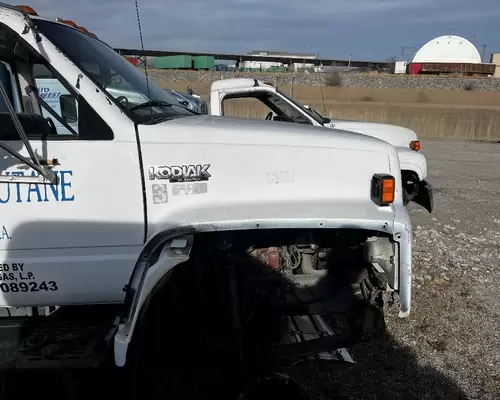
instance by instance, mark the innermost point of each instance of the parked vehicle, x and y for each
(193, 102)
(64, 103)
(153, 232)
(283, 108)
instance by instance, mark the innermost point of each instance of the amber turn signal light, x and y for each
(383, 189)
(27, 10)
(415, 145)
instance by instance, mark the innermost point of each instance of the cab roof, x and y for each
(29, 13)
(238, 83)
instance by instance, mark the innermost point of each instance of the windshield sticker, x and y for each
(182, 173)
(186, 189)
(46, 94)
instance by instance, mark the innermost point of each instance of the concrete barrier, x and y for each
(429, 121)
(440, 122)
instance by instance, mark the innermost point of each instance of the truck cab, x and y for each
(277, 106)
(210, 235)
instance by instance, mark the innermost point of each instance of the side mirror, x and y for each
(184, 103)
(70, 120)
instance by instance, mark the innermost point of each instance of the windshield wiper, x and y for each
(188, 109)
(161, 103)
(152, 103)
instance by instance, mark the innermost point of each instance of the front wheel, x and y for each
(406, 197)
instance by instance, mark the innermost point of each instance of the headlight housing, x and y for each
(383, 189)
(415, 145)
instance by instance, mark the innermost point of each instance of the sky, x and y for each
(363, 29)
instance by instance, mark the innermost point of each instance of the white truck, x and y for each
(150, 233)
(283, 108)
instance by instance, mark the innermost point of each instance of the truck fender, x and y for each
(413, 161)
(159, 256)
(424, 196)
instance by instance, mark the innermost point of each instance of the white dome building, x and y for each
(448, 49)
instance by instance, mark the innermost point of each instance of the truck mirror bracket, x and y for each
(32, 91)
(44, 175)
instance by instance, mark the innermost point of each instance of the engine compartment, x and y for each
(228, 308)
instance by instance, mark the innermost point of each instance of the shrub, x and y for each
(469, 87)
(333, 79)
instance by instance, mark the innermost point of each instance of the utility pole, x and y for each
(403, 49)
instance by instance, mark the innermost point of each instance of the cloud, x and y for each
(367, 29)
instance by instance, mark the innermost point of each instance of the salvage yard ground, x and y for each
(450, 346)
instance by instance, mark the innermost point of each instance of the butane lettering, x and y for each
(5, 234)
(38, 192)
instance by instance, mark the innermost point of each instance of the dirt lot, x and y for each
(449, 348)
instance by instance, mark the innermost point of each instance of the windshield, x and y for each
(284, 107)
(317, 118)
(313, 112)
(114, 74)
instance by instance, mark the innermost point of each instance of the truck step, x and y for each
(72, 337)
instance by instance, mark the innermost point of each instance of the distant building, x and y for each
(495, 59)
(284, 54)
(261, 65)
(287, 57)
(449, 55)
(448, 49)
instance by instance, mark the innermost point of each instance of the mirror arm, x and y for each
(34, 163)
(17, 124)
(30, 90)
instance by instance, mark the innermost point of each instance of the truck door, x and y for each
(74, 241)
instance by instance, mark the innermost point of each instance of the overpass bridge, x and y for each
(371, 65)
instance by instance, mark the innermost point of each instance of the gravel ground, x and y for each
(346, 80)
(449, 348)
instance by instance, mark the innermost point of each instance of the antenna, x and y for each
(142, 49)
(322, 99)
